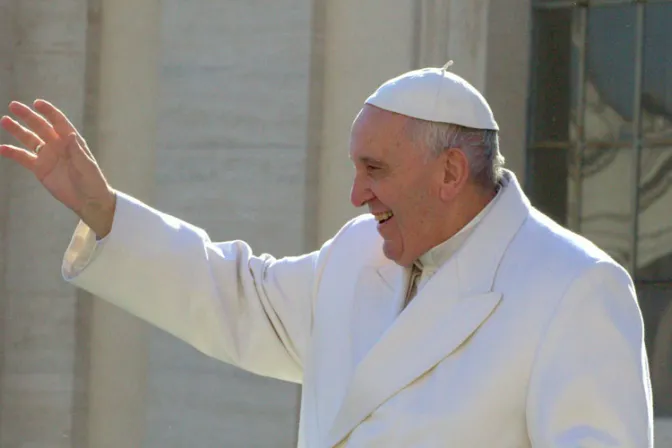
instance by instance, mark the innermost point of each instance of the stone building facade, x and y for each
(234, 116)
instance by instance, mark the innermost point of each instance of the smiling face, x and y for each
(410, 192)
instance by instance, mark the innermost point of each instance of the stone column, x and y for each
(365, 44)
(6, 77)
(506, 76)
(42, 54)
(489, 44)
(432, 27)
(235, 146)
(468, 40)
(124, 146)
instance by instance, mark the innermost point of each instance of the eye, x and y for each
(371, 168)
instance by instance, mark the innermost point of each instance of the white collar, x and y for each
(438, 255)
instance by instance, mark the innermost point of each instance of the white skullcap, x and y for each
(435, 94)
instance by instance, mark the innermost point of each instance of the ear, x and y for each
(456, 173)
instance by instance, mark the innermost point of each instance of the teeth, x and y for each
(383, 216)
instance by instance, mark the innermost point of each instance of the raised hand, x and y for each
(60, 159)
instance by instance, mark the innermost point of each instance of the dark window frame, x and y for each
(548, 144)
(574, 149)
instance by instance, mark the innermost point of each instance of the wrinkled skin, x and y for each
(64, 166)
(431, 197)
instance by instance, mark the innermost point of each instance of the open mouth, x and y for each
(383, 217)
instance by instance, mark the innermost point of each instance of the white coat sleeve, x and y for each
(254, 312)
(590, 385)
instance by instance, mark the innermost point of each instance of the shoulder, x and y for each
(549, 269)
(553, 259)
(559, 247)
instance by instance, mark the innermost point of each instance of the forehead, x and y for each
(378, 134)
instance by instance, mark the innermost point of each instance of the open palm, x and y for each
(57, 155)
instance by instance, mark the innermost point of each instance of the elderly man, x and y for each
(453, 315)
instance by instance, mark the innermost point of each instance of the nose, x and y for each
(360, 192)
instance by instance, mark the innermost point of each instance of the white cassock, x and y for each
(528, 336)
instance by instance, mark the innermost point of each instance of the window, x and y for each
(600, 144)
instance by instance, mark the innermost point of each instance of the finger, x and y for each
(77, 151)
(23, 135)
(85, 148)
(57, 118)
(25, 158)
(35, 122)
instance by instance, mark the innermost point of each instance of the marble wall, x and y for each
(42, 54)
(234, 116)
(232, 157)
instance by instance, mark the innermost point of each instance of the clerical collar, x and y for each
(438, 255)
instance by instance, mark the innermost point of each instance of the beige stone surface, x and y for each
(237, 119)
(663, 432)
(506, 76)
(47, 48)
(124, 135)
(231, 158)
(366, 43)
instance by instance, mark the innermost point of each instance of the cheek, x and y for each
(384, 194)
(417, 210)
(408, 200)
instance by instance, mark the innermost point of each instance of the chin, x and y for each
(392, 253)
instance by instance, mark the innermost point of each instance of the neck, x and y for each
(464, 211)
(457, 217)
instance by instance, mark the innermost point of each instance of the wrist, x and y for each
(98, 214)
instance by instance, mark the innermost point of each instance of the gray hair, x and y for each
(481, 146)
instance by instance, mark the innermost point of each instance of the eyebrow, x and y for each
(371, 161)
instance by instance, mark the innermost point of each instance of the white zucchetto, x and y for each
(435, 94)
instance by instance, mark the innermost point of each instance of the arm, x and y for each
(590, 384)
(254, 312)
